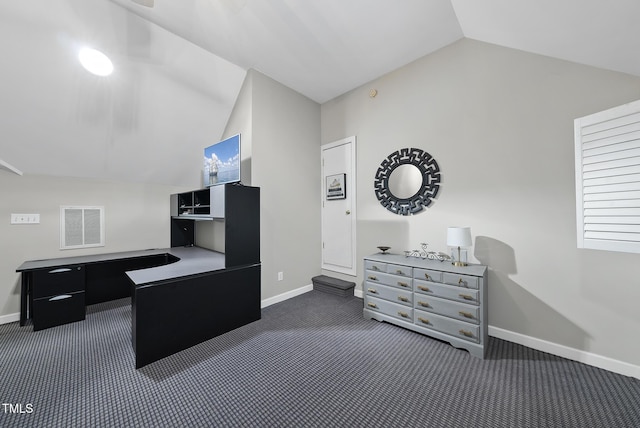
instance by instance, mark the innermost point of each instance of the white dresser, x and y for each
(429, 297)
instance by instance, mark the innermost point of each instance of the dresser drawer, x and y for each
(388, 279)
(455, 328)
(55, 281)
(427, 275)
(58, 310)
(375, 266)
(447, 291)
(388, 308)
(466, 281)
(392, 294)
(400, 270)
(461, 311)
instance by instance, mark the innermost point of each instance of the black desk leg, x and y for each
(24, 295)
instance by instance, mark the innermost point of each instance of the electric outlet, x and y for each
(25, 218)
(280, 276)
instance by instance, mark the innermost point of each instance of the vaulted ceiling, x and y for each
(183, 62)
(324, 48)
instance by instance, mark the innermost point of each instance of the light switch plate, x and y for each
(25, 218)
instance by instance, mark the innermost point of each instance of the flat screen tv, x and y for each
(222, 162)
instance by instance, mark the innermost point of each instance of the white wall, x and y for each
(499, 122)
(286, 166)
(136, 218)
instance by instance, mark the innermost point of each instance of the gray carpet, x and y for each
(312, 361)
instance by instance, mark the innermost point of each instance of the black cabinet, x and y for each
(57, 296)
(182, 232)
(242, 225)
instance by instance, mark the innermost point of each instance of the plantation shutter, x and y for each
(607, 150)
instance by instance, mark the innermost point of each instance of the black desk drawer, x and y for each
(58, 280)
(57, 310)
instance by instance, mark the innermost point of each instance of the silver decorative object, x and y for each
(424, 254)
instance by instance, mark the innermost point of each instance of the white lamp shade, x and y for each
(459, 237)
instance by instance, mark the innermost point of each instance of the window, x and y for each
(607, 150)
(81, 227)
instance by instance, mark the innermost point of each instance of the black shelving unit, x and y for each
(237, 205)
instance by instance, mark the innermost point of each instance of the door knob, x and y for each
(348, 212)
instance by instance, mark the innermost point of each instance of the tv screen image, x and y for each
(222, 162)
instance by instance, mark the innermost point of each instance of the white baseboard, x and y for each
(358, 293)
(573, 354)
(285, 296)
(6, 319)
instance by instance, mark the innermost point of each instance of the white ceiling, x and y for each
(172, 96)
(325, 48)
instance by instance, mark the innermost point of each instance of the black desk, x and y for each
(99, 278)
(180, 296)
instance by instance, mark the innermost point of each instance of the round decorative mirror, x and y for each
(407, 181)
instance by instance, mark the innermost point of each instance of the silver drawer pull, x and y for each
(399, 272)
(372, 278)
(61, 270)
(403, 284)
(466, 296)
(374, 267)
(424, 288)
(60, 297)
(403, 299)
(423, 320)
(373, 305)
(403, 314)
(466, 333)
(425, 304)
(372, 290)
(466, 314)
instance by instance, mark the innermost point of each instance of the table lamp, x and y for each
(459, 237)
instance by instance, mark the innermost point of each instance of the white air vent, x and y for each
(81, 227)
(607, 153)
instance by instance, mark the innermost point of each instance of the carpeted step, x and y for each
(328, 284)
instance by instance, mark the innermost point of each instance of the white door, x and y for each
(339, 206)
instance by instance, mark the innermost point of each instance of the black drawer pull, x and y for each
(60, 270)
(60, 297)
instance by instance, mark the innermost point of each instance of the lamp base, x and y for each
(459, 263)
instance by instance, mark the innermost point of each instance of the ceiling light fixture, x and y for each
(95, 62)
